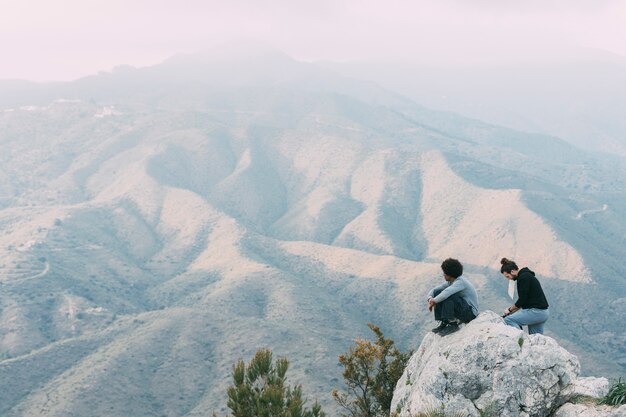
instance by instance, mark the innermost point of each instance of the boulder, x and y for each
(588, 387)
(589, 410)
(487, 368)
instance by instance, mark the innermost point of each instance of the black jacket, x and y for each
(529, 291)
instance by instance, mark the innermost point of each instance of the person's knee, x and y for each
(510, 322)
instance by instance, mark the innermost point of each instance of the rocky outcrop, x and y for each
(489, 368)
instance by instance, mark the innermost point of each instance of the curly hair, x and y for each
(452, 267)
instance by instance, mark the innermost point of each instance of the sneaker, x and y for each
(441, 326)
(449, 329)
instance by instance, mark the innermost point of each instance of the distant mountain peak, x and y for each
(232, 52)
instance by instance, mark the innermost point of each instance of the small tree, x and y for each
(259, 390)
(371, 371)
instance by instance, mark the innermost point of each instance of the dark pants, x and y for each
(453, 307)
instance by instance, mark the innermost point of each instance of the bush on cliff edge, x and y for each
(371, 371)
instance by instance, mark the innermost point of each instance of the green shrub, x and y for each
(371, 371)
(259, 389)
(616, 394)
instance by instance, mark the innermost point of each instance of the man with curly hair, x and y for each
(455, 301)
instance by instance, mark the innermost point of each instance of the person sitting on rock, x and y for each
(455, 301)
(531, 307)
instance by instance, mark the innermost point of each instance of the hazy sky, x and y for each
(62, 40)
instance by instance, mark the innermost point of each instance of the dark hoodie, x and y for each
(529, 291)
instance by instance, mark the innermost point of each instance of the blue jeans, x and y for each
(534, 318)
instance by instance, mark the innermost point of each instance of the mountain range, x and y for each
(159, 223)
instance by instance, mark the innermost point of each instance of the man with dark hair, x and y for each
(455, 301)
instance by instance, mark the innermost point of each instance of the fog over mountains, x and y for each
(157, 224)
(578, 95)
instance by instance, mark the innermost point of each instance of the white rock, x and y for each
(586, 410)
(487, 366)
(588, 387)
